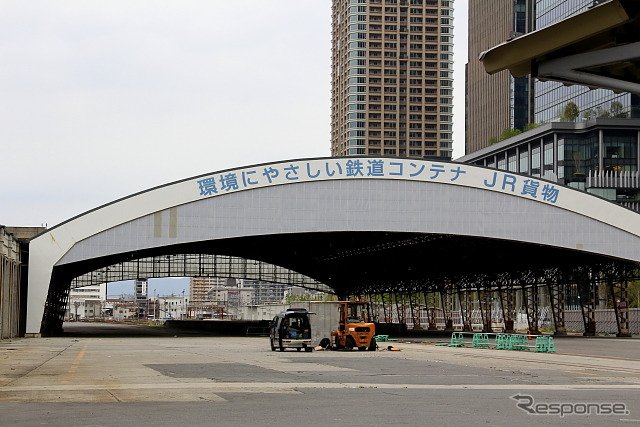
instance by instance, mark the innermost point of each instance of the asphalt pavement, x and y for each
(123, 375)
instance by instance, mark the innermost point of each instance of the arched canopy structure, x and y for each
(350, 224)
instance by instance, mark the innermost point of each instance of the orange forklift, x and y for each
(354, 327)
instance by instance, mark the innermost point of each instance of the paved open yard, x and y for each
(128, 375)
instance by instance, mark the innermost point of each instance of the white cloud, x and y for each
(101, 99)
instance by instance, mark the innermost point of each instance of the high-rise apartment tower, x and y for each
(392, 78)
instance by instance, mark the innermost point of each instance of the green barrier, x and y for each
(545, 345)
(552, 346)
(457, 340)
(480, 341)
(502, 342)
(518, 342)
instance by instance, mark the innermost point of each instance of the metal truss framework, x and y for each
(466, 304)
(485, 310)
(403, 291)
(507, 297)
(198, 265)
(615, 275)
(603, 272)
(175, 265)
(557, 295)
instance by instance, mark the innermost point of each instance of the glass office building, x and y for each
(551, 97)
(531, 100)
(599, 156)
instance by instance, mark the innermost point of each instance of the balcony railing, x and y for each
(613, 179)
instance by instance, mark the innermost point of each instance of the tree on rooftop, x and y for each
(603, 112)
(508, 133)
(589, 114)
(570, 112)
(617, 110)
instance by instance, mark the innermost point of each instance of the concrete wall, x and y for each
(9, 285)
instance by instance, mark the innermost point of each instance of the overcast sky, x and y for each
(102, 99)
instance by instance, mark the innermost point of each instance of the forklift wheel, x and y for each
(351, 343)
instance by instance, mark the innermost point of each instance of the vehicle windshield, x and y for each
(357, 313)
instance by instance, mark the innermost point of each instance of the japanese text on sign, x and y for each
(416, 170)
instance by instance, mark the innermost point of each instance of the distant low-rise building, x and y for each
(231, 298)
(266, 292)
(125, 310)
(172, 307)
(87, 302)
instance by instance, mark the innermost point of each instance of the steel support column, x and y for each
(447, 307)
(530, 297)
(431, 314)
(386, 317)
(557, 296)
(401, 312)
(373, 308)
(466, 305)
(415, 312)
(486, 301)
(54, 309)
(620, 297)
(507, 305)
(588, 294)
